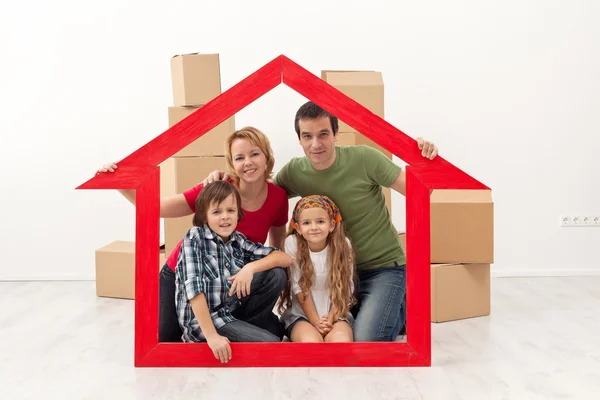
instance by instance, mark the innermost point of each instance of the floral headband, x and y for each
(315, 201)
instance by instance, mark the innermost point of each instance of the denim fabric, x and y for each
(381, 310)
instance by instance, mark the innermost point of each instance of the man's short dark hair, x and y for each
(309, 111)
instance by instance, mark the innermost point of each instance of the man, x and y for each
(353, 177)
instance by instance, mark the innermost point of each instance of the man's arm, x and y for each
(399, 185)
(381, 168)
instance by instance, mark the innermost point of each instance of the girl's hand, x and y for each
(241, 282)
(323, 326)
(220, 347)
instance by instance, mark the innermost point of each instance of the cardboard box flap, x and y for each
(353, 78)
(119, 246)
(461, 196)
(194, 54)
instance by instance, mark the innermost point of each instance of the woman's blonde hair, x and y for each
(255, 137)
(341, 276)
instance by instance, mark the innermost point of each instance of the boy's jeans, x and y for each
(381, 310)
(255, 310)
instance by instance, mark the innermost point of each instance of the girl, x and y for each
(319, 295)
(250, 162)
(222, 279)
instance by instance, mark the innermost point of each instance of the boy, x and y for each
(226, 285)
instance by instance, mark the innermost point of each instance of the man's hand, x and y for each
(220, 347)
(216, 175)
(428, 149)
(242, 281)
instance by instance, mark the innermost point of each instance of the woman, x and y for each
(250, 163)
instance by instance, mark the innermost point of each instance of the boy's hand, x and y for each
(220, 347)
(242, 281)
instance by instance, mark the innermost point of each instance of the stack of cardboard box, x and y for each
(365, 87)
(115, 269)
(462, 250)
(196, 79)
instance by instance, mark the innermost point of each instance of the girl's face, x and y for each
(223, 218)
(315, 225)
(249, 162)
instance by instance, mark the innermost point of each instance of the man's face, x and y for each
(318, 141)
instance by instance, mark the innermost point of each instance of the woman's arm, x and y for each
(170, 207)
(277, 236)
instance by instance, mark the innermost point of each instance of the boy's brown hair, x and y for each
(215, 192)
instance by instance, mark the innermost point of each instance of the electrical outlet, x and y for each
(579, 221)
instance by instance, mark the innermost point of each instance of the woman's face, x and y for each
(249, 162)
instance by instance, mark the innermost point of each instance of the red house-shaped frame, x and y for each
(140, 171)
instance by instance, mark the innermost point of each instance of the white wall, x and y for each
(507, 89)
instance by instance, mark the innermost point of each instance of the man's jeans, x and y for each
(255, 310)
(381, 310)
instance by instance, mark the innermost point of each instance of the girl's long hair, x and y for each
(341, 261)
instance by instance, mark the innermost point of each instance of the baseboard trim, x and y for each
(495, 273)
(524, 273)
(45, 277)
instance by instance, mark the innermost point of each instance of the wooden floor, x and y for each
(542, 341)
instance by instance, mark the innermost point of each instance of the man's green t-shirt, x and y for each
(354, 182)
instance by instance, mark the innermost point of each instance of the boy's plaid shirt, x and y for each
(204, 264)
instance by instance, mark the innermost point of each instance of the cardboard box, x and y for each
(115, 270)
(365, 87)
(196, 78)
(462, 226)
(459, 291)
(178, 175)
(355, 138)
(212, 143)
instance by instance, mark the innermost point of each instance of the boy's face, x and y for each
(315, 225)
(223, 218)
(318, 141)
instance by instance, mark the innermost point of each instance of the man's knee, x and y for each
(373, 332)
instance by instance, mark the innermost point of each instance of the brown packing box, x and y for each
(196, 78)
(212, 143)
(459, 291)
(365, 87)
(178, 175)
(115, 270)
(462, 226)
